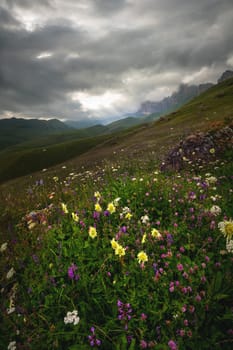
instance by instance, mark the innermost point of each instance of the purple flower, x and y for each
(92, 338)
(71, 272)
(172, 345)
(180, 267)
(143, 344)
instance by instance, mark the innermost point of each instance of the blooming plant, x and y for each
(146, 261)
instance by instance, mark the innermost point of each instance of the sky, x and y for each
(77, 59)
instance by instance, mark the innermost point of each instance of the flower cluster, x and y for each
(72, 272)
(72, 317)
(93, 339)
(119, 249)
(124, 312)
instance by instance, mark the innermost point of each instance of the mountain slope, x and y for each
(140, 142)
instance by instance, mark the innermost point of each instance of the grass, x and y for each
(178, 296)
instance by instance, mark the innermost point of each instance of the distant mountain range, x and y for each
(184, 94)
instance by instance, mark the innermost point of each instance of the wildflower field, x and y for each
(119, 257)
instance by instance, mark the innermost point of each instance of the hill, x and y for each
(16, 130)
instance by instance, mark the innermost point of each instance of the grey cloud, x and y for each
(162, 37)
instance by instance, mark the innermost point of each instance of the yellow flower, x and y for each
(226, 227)
(92, 232)
(111, 208)
(97, 195)
(212, 151)
(98, 207)
(120, 250)
(128, 216)
(155, 233)
(64, 208)
(31, 224)
(114, 244)
(142, 257)
(144, 238)
(75, 217)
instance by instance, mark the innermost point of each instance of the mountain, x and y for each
(184, 94)
(16, 130)
(81, 124)
(226, 75)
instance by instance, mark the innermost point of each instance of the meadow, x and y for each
(118, 256)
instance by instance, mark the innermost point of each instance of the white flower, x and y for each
(72, 317)
(10, 310)
(211, 180)
(3, 247)
(229, 245)
(116, 201)
(12, 345)
(145, 219)
(215, 210)
(10, 273)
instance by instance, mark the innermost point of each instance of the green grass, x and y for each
(177, 205)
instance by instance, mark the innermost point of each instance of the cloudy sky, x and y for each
(73, 59)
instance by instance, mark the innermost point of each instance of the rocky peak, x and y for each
(226, 75)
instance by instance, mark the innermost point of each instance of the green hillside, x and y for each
(17, 130)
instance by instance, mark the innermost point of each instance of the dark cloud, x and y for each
(56, 55)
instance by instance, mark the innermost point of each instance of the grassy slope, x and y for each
(216, 104)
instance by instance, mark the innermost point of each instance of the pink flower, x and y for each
(180, 267)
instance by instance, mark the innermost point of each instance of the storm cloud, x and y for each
(101, 58)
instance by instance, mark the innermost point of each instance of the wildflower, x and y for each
(64, 208)
(72, 317)
(3, 247)
(98, 208)
(75, 217)
(116, 201)
(155, 233)
(145, 219)
(128, 216)
(114, 244)
(143, 317)
(212, 151)
(97, 195)
(111, 208)
(172, 345)
(92, 232)
(229, 245)
(143, 344)
(211, 180)
(10, 273)
(180, 267)
(124, 311)
(142, 257)
(10, 310)
(71, 272)
(215, 210)
(92, 338)
(12, 345)
(31, 224)
(226, 227)
(120, 250)
(144, 238)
